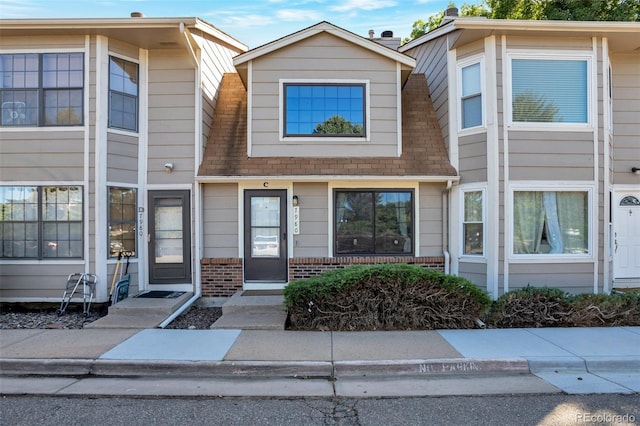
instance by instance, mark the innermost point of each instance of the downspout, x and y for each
(198, 285)
(445, 227)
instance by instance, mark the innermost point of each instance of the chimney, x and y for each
(450, 15)
(371, 33)
(386, 39)
(137, 15)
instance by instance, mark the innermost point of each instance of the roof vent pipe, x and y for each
(137, 15)
(371, 33)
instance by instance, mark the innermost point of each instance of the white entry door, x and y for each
(626, 236)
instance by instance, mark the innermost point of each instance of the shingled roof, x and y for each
(423, 150)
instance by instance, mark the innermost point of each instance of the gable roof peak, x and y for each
(327, 27)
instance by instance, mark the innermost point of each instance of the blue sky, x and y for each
(252, 22)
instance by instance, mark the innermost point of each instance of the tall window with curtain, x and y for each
(550, 222)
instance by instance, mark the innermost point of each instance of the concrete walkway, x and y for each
(233, 362)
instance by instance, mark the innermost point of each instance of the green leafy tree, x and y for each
(559, 10)
(338, 125)
(527, 106)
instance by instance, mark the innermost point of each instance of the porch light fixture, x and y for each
(635, 170)
(168, 167)
(295, 200)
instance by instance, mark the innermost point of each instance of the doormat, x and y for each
(262, 293)
(160, 294)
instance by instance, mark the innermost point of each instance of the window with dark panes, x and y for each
(324, 110)
(42, 89)
(41, 222)
(123, 94)
(122, 221)
(371, 222)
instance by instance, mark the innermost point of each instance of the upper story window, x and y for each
(123, 94)
(550, 89)
(370, 222)
(42, 89)
(470, 88)
(324, 110)
(41, 222)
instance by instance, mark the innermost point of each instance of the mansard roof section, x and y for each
(424, 156)
(623, 37)
(406, 61)
(147, 33)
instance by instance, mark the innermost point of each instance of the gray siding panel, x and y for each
(572, 277)
(430, 215)
(474, 272)
(36, 281)
(122, 158)
(626, 118)
(220, 220)
(473, 158)
(314, 216)
(42, 155)
(572, 159)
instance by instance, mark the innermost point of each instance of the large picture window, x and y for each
(41, 222)
(549, 90)
(42, 89)
(122, 221)
(123, 94)
(373, 222)
(324, 110)
(550, 222)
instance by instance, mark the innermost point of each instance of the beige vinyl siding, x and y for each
(549, 43)
(171, 116)
(220, 220)
(34, 43)
(215, 61)
(571, 159)
(571, 277)
(475, 272)
(314, 216)
(626, 118)
(122, 158)
(28, 281)
(42, 155)
(473, 158)
(122, 49)
(323, 57)
(430, 216)
(431, 61)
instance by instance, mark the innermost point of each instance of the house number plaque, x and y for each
(296, 220)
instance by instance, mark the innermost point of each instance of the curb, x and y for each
(431, 367)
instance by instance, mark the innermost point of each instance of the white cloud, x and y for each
(298, 15)
(248, 20)
(350, 5)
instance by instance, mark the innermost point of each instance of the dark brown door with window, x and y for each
(169, 237)
(265, 235)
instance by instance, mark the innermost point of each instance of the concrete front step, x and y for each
(240, 303)
(137, 312)
(263, 320)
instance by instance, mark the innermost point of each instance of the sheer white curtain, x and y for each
(528, 222)
(552, 223)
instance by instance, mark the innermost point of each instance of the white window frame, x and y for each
(329, 139)
(464, 63)
(473, 188)
(571, 55)
(118, 130)
(541, 186)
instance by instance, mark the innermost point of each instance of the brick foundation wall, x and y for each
(221, 277)
(301, 268)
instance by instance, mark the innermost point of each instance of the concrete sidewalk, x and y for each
(292, 363)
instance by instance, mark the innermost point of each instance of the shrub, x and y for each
(530, 307)
(601, 310)
(384, 297)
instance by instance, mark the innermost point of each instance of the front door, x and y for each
(265, 235)
(626, 236)
(169, 237)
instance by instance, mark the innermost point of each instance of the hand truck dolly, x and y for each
(76, 283)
